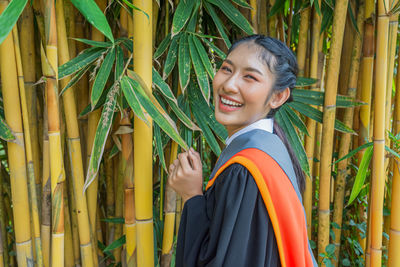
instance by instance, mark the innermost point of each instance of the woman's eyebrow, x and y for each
(246, 69)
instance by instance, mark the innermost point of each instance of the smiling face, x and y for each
(243, 89)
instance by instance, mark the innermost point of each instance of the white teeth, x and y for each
(230, 103)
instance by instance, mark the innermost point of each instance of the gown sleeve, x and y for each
(228, 226)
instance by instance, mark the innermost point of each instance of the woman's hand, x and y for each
(186, 175)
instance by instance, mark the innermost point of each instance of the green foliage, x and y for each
(94, 16)
(9, 17)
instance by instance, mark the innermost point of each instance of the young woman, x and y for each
(251, 213)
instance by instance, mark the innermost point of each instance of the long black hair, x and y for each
(281, 62)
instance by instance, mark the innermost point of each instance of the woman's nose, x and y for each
(231, 84)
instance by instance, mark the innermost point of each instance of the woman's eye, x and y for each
(250, 77)
(225, 68)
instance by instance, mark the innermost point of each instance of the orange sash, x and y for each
(283, 205)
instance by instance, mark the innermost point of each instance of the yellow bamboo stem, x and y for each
(16, 151)
(33, 201)
(311, 124)
(74, 146)
(46, 195)
(94, 118)
(378, 171)
(68, 244)
(142, 137)
(57, 173)
(394, 233)
(254, 19)
(129, 207)
(170, 214)
(119, 200)
(303, 37)
(345, 139)
(3, 219)
(272, 21)
(339, 18)
(263, 22)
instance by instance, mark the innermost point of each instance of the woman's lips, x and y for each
(226, 108)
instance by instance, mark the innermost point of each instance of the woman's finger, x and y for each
(184, 162)
(196, 162)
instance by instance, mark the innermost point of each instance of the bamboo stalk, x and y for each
(68, 244)
(75, 155)
(378, 171)
(143, 137)
(57, 173)
(311, 124)
(16, 151)
(339, 19)
(303, 38)
(46, 195)
(272, 21)
(129, 200)
(170, 213)
(3, 221)
(345, 140)
(33, 201)
(28, 57)
(253, 12)
(394, 233)
(93, 120)
(110, 196)
(263, 22)
(393, 26)
(119, 195)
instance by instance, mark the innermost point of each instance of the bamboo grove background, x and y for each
(98, 97)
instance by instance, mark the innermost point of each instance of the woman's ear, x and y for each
(279, 98)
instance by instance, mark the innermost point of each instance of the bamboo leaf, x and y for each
(116, 244)
(169, 96)
(218, 51)
(75, 79)
(220, 27)
(391, 151)
(136, 8)
(114, 151)
(197, 102)
(81, 61)
(157, 113)
(102, 131)
(361, 174)
(316, 115)
(181, 16)
(171, 57)
(5, 132)
(242, 3)
(119, 63)
(114, 220)
(294, 140)
(184, 62)
(208, 135)
(132, 99)
(277, 7)
(94, 16)
(355, 151)
(201, 73)
(94, 43)
(163, 46)
(203, 56)
(159, 146)
(9, 17)
(191, 27)
(305, 81)
(295, 119)
(234, 15)
(317, 98)
(102, 77)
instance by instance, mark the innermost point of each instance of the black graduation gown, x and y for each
(228, 226)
